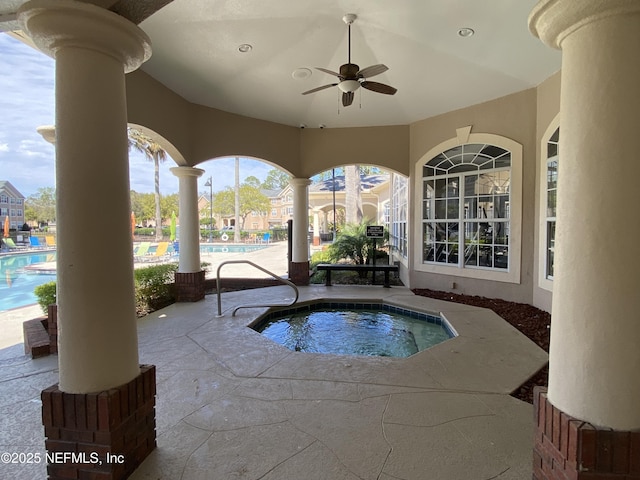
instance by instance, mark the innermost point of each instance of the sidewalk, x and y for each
(272, 258)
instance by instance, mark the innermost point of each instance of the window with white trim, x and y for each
(466, 201)
(552, 195)
(399, 212)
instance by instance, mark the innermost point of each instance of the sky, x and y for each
(27, 160)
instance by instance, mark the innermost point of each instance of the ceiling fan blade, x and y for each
(317, 89)
(372, 71)
(330, 72)
(347, 98)
(378, 87)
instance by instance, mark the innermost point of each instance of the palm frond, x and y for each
(146, 145)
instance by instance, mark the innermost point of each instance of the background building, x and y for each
(11, 204)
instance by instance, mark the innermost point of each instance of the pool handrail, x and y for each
(280, 279)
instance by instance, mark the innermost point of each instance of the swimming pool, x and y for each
(369, 329)
(16, 283)
(231, 248)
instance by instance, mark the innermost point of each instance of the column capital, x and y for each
(300, 182)
(57, 24)
(187, 172)
(553, 20)
(48, 132)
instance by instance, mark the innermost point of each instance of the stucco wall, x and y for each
(514, 117)
(386, 147)
(194, 134)
(153, 106)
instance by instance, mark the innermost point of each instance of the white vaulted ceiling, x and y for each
(195, 53)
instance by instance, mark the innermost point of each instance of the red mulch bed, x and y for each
(531, 321)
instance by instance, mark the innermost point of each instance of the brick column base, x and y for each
(299, 273)
(569, 449)
(100, 436)
(52, 327)
(189, 287)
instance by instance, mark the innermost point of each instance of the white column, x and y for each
(595, 336)
(300, 246)
(316, 227)
(93, 49)
(189, 260)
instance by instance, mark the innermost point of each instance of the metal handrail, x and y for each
(282, 280)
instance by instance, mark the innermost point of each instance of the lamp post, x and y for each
(210, 185)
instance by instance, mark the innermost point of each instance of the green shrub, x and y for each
(322, 256)
(46, 294)
(154, 287)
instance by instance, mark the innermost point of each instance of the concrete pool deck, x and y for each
(232, 404)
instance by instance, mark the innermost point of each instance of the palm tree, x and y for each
(155, 153)
(353, 201)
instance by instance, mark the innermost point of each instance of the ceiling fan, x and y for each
(351, 77)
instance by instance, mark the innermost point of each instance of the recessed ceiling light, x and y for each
(245, 48)
(301, 73)
(466, 32)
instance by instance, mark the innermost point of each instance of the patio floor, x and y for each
(232, 404)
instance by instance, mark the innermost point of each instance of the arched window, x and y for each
(551, 199)
(466, 208)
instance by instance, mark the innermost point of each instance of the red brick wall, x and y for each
(299, 273)
(119, 422)
(189, 287)
(566, 448)
(52, 327)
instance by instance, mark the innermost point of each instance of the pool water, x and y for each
(230, 248)
(17, 284)
(372, 331)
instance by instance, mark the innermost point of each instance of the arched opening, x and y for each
(350, 194)
(263, 204)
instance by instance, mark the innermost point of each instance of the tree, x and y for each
(353, 201)
(154, 152)
(253, 181)
(41, 206)
(137, 205)
(276, 180)
(353, 244)
(236, 232)
(251, 200)
(169, 203)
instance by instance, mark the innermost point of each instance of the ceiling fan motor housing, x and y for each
(351, 77)
(349, 18)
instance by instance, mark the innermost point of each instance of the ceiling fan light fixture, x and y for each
(349, 85)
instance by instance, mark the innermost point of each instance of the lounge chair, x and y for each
(51, 241)
(141, 251)
(35, 242)
(11, 245)
(266, 238)
(160, 254)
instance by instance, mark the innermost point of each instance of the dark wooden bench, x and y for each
(330, 267)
